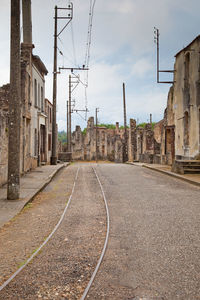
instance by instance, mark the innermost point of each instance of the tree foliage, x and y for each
(144, 124)
(62, 136)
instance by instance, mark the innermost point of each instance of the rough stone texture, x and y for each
(4, 95)
(180, 138)
(186, 101)
(132, 141)
(31, 146)
(109, 143)
(143, 143)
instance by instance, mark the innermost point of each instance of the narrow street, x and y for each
(154, 241)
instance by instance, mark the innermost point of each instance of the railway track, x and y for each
(11, 278)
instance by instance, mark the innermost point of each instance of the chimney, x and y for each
(27, 21)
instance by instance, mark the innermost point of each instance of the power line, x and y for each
(88, 46)
(73, 44)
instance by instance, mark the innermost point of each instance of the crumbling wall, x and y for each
(77, 144)
(132, 141)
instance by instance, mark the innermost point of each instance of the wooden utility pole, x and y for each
(67, 125)
(97, 110)
(150, 118)
(125, 126)
(70, 111)
(68, 17)
(13, 188)
(54, 127)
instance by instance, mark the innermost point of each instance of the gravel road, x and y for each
(154, 244)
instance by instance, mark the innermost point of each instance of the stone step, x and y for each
(188, 162)
(186, 166)
(193, 171)
(192, 166)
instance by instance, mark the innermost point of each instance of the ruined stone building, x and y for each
(186, 101)
(174, 139)
(110, 143)
(107, 142)
(143, 143)
(36, 111)
(180, 136)
(177, 137)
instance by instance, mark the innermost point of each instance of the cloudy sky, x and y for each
(122, 50)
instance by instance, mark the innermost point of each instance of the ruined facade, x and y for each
(175, 138)
(110, 143)
(180, 136)
(143, 143)
(97, 143)
(36, 117)
(187, 101)
(36, 111)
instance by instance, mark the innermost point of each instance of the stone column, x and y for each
(13, 188)
(132, 142)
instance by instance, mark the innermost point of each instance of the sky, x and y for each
(122, 50)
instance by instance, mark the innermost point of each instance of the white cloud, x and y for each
(122, 50)
(141, 68)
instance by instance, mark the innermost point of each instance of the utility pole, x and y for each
(54, 127)
(97, 110)
(67, 125)
(125, 126)
(68, 17)
(70, 113)
(13, 188)
(157, 42)
(150, 118)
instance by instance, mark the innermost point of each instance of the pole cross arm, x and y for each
(157, 42)
(69, 17)
(72, 69)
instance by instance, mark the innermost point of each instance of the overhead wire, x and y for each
(68, 51)
(87, 53)
(88, 47)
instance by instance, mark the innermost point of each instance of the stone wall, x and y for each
(107, 142)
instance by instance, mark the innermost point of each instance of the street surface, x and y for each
(154, 243)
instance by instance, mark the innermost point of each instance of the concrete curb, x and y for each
(43, 185)
(167, 173)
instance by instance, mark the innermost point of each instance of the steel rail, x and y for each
(45, 242)
(105, 243)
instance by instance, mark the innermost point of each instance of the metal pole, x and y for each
(125, 125)
(13, 188)
(67, 125)
(157, 32)
(70, 112)
(54, 127)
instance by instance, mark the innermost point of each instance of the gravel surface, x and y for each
(154, 244)
(25, 232)
(65, 265)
